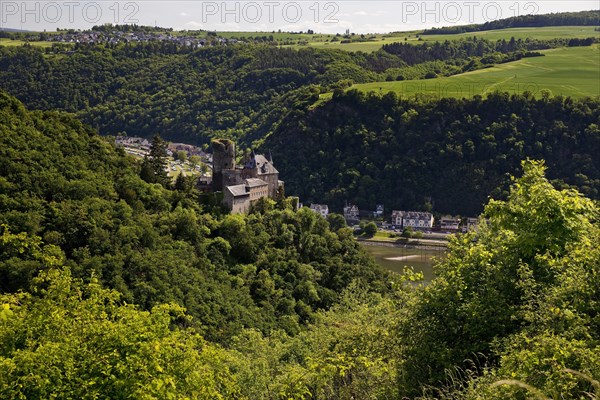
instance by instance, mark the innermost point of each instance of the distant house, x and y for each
(379, 211)
(132, 142)
(449, 223)
(322, 209)
(413, 219)
(189, 149)
(351, 213)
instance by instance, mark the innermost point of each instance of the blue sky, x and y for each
(272, 15)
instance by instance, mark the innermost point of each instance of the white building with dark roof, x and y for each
(413, 219)
(321, 209)
(449, 223)
(351, 213)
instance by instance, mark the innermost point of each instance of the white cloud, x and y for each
(183, 14)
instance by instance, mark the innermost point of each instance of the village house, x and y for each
(189, 149)
(322, 209)
(414, 219)
(351, 213)
(136, 142)
(449, 223)
(379, 211)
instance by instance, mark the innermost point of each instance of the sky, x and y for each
(272, 15)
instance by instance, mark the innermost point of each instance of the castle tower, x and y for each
(223, 160)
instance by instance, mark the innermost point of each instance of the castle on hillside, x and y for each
(242, 185)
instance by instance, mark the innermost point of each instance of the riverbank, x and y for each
(402, 242)
(396, 257)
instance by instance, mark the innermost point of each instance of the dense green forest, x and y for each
(65, 184)
(114, 287)
(580, 18)
(241, 91)
(184, 95)
(449, 155)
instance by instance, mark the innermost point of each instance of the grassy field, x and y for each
(571, 71)
(546, 33)
(543, 33)
(367, 47)
(276, 35)
(10, 42)
(396, 258)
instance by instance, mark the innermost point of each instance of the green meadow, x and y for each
(10, 42)
(376, 41)
(573, 71)
(543, 33)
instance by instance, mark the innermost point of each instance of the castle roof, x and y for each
(254, 182)
(238, 190)
(264, 166)
(244, 188)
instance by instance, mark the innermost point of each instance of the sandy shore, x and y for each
(402, 258)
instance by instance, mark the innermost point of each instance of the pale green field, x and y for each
(367, 47)
(571, 71)
(545, 33)
(9, 42)
(276, 35)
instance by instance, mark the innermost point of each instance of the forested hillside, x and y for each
(114, 283)
(182, 94)
(64, 183)
(96, 267)
(241, 91)
(580, 18)
(449, 155)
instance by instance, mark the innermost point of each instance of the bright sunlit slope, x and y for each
(374, 42)
(573, 71)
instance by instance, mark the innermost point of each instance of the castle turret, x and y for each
(223, 160)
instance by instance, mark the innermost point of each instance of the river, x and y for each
(395, 258)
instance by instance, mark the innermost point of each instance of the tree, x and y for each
(184, 183)
(180, 155)
(147, 170)
(83, 342)
(22, 256)
(336, 221)
(195, 160)
(490, 286)
(155, 165)
(370, 229)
